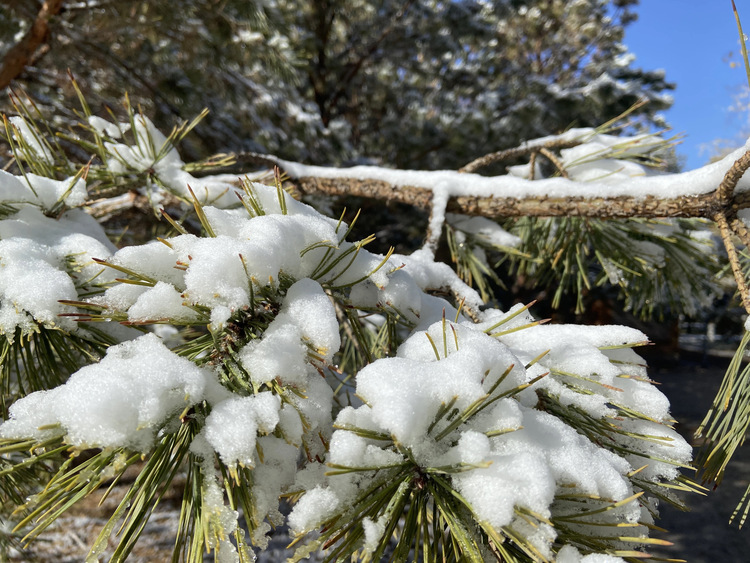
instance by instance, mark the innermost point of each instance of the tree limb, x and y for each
(19, 56)
(616, 207)
(726, 188)
(494, 207)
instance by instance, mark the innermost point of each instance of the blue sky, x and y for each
(692, 40)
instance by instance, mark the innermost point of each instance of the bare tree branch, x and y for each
(517, 152)
(19, 56)
(532, 165)
(495, 207)
(739, 228)
(552, 157)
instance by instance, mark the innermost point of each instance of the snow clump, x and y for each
(45, 260)
(457, 405)
(122, 401)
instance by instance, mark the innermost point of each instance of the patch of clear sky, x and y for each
(696, 42)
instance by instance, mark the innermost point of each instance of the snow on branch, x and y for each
(688, 194)
(595, 176)
(510, 437)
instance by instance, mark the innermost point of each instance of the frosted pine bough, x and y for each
(492, 439)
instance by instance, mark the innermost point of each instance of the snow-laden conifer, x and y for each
(472, 433)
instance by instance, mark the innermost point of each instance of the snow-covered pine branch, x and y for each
(479, 437)
(623, 189)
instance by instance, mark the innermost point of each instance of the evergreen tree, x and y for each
(331, 81)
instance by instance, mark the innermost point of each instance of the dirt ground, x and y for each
(700, 536)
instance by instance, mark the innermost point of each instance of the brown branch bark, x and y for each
(532, 165)
(19, 56)
(619, 207)
(605, 208)
(739, 229)
(549, 155)
(518, 152)
(734, 260)
(726, 188)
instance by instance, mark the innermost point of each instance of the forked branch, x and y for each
(725, 190)
(527, 149)
(615, 207)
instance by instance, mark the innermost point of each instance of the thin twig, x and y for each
(734, 260)
(743, 41)
(555, 161)
(532, 164)
(725, 191)
(516, 152)
(474, 314)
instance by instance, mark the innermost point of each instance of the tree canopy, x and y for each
(329, 82)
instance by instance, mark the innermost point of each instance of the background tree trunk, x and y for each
(18, 57)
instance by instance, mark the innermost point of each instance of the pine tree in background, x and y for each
(332, 81)
(336, 82)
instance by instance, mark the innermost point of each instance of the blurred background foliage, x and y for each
(416, 84)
